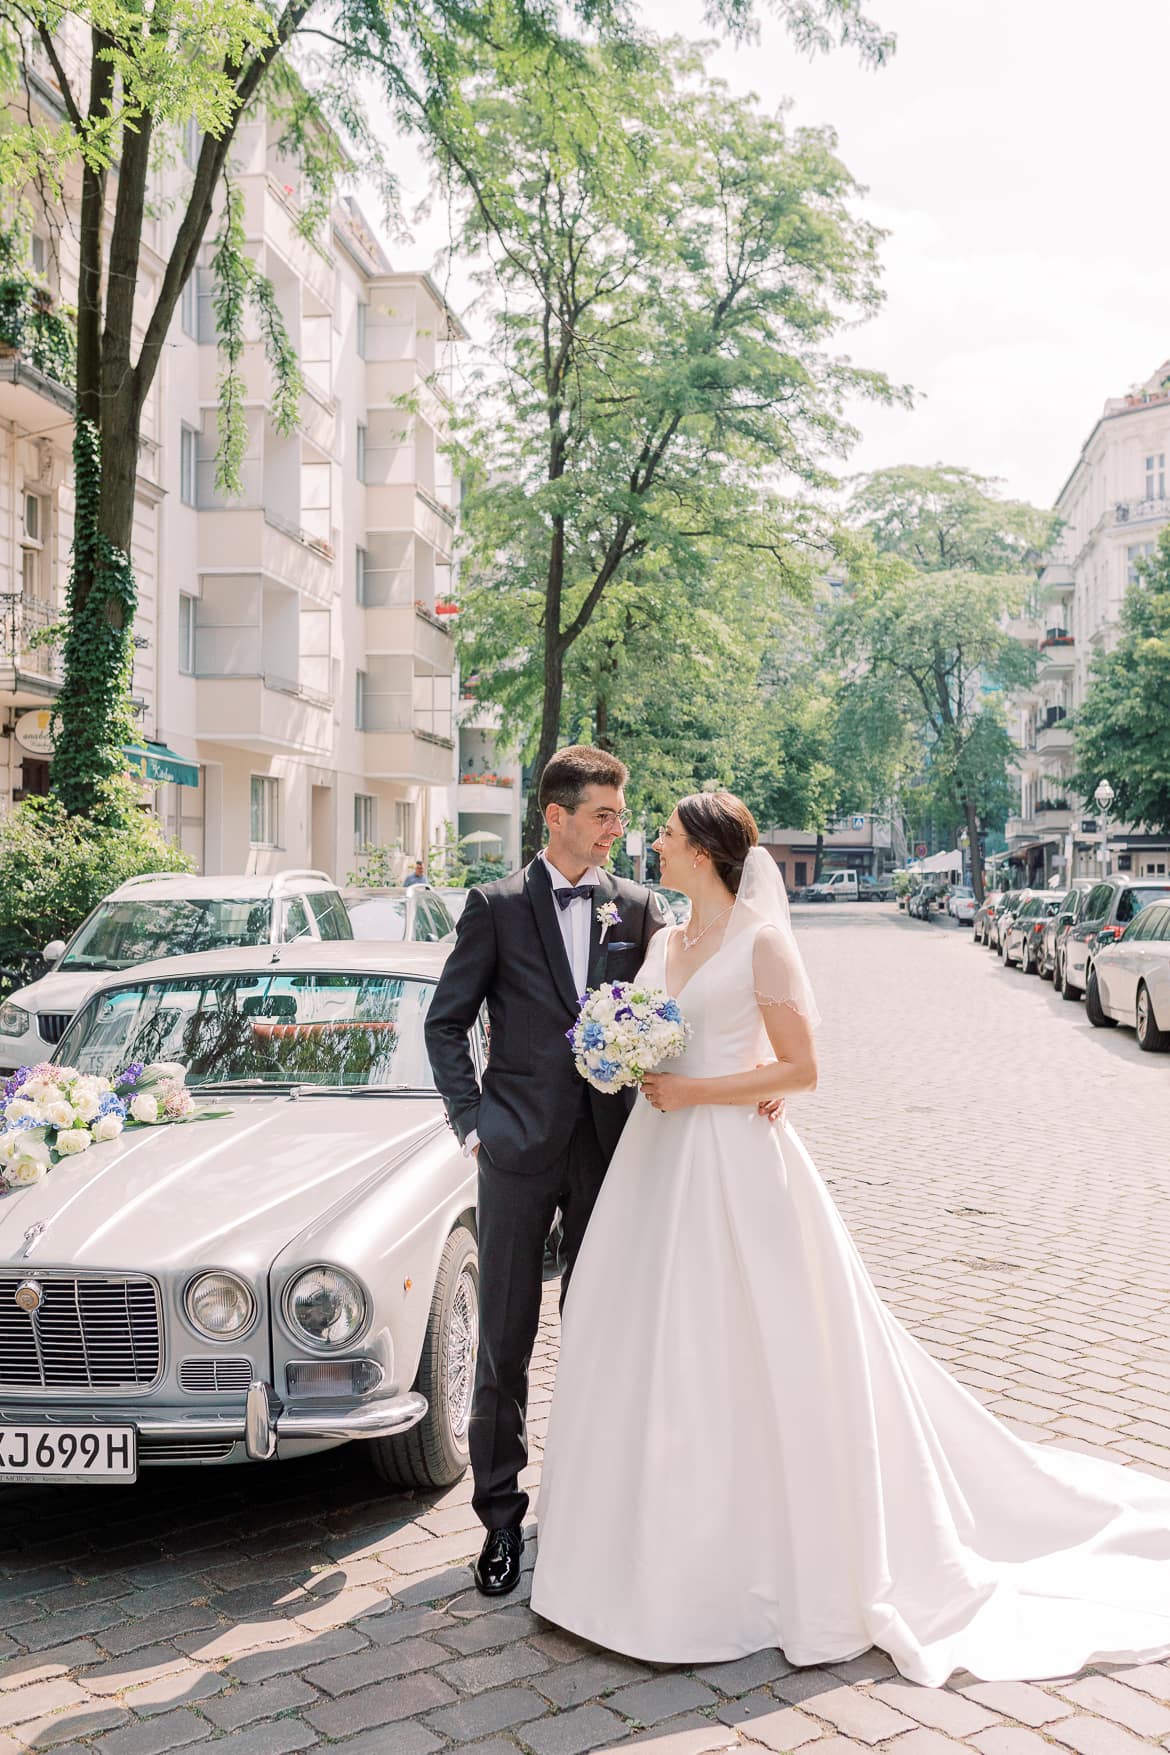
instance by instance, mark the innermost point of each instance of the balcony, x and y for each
(407, 628)
(1052, 814)
(1054, 738)
(1127, 512)
(404, 507)
(30, 674)
(1057, 580)
(272, 217)
(1057, 654)
(264, 713)
(409, 755)
(485, 795)
(38, 354)
(251, 539)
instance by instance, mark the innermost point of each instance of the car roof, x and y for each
(152, 886)
(302, 957)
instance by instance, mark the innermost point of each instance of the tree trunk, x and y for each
(601, 723)
(976, 856)
(818, 859)
(550, 731)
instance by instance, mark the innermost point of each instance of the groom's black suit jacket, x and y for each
(509, 952)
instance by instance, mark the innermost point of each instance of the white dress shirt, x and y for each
(575, 920)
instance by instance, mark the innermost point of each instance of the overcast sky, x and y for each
(1015, 151)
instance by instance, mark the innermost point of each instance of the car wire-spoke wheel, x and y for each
(461, 1352)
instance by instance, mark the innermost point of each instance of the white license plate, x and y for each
(68, 1453)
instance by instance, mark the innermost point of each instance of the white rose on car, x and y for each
(144, 1108)
(107, 1127)
(85, 1106)
(60, 1113)
(19, 1109)
(22, 1172)
(74, 1141)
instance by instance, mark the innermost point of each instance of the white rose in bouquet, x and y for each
(73, 1141)
(144, 1108)
(107, 1127)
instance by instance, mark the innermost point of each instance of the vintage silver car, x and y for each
(270, 1282)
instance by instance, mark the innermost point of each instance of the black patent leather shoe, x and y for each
(497, 1571)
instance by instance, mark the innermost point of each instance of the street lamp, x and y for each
(964, 845)
(1103, 798)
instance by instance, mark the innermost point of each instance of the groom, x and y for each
(530, 945)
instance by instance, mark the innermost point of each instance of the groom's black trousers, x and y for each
(514, 1216)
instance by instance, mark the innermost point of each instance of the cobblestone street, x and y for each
(1005, 1171)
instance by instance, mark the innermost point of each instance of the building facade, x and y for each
(295, 682)
(1112, 508)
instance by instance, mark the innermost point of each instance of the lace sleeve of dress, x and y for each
(778, 975)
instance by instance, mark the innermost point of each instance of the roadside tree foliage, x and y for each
(1122, 727)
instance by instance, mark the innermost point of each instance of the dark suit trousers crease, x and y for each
(514, 1216)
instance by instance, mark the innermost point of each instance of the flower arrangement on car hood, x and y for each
(52, 1112)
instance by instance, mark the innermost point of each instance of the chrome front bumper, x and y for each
(261, 1425)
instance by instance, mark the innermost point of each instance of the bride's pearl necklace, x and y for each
(690, 943)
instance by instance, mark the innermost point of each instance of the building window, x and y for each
(365, 821)
(39, 252)
(404, 826)
(361, 328)
(186, 634)
(361, 560)
(360, 693)
(189, 466)
(265, 810)
(360, 460)
(1135, 552)
(34, 546)
(1156, 477)
(189, 306)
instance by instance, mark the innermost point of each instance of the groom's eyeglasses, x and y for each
(612, 819)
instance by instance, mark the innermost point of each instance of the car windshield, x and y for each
(1142, 898)
(120, 934)
(381, 917)
(961, 893)
(270, 1028)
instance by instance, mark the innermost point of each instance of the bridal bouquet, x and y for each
(52, 1112)
(623, 1032)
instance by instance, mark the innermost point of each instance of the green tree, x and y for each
(1122, 727)
(330, 75)
(673, 264)
(929, 617)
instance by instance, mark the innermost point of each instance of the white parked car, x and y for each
(271, 1281)
(394, 912)
(161, 915)
(1129, 980)
(961, 904)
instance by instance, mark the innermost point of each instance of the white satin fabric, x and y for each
(747, 1450)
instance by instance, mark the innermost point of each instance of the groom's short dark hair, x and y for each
(571, 770)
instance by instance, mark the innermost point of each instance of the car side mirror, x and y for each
(54, 950)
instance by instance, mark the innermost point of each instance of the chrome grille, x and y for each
(179, 1450)
(92, 1331)
(53, 1025)
(216, 1376)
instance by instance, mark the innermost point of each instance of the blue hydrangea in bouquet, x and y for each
(624, 1031)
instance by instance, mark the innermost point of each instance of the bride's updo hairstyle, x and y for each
(724, 828)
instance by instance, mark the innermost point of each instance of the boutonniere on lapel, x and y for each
(608, 916)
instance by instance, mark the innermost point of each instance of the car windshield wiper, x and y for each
(364, 1091)
(279, 1087)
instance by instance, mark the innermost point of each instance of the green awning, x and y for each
(154, 761)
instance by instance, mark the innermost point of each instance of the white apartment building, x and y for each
(1112, 508)
(294, 679)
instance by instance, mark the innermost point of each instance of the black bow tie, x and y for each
(585, 891)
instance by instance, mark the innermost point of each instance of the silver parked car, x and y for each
(272, 1282)
(1022, 937)
(1129, 980)
(394, 913)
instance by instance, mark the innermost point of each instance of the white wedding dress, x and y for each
(746, 1449)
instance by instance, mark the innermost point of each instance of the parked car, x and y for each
(677, 906)
(1109, 907)
(272, 1282)
(454, 901)
(397, 915)
(925, 900)
(161, 915)
(1057, 926)
(873, 889)
(1023, 936)
(839, 886)
(961, 904)
(1129, 981)
(1001, 919)
(981, 920)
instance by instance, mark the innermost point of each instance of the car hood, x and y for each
(230, 1192)
(64, 992)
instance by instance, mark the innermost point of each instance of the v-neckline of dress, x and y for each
(677, 997)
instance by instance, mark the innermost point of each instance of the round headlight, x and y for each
(326, 1306)
(219, 1306)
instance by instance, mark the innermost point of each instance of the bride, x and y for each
(745, 1448)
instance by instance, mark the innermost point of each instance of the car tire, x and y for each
(1098, 1016)
(434, 1453)
(1150, 1037)
(1026, 959)
(1003, 955)
(1064, 986)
